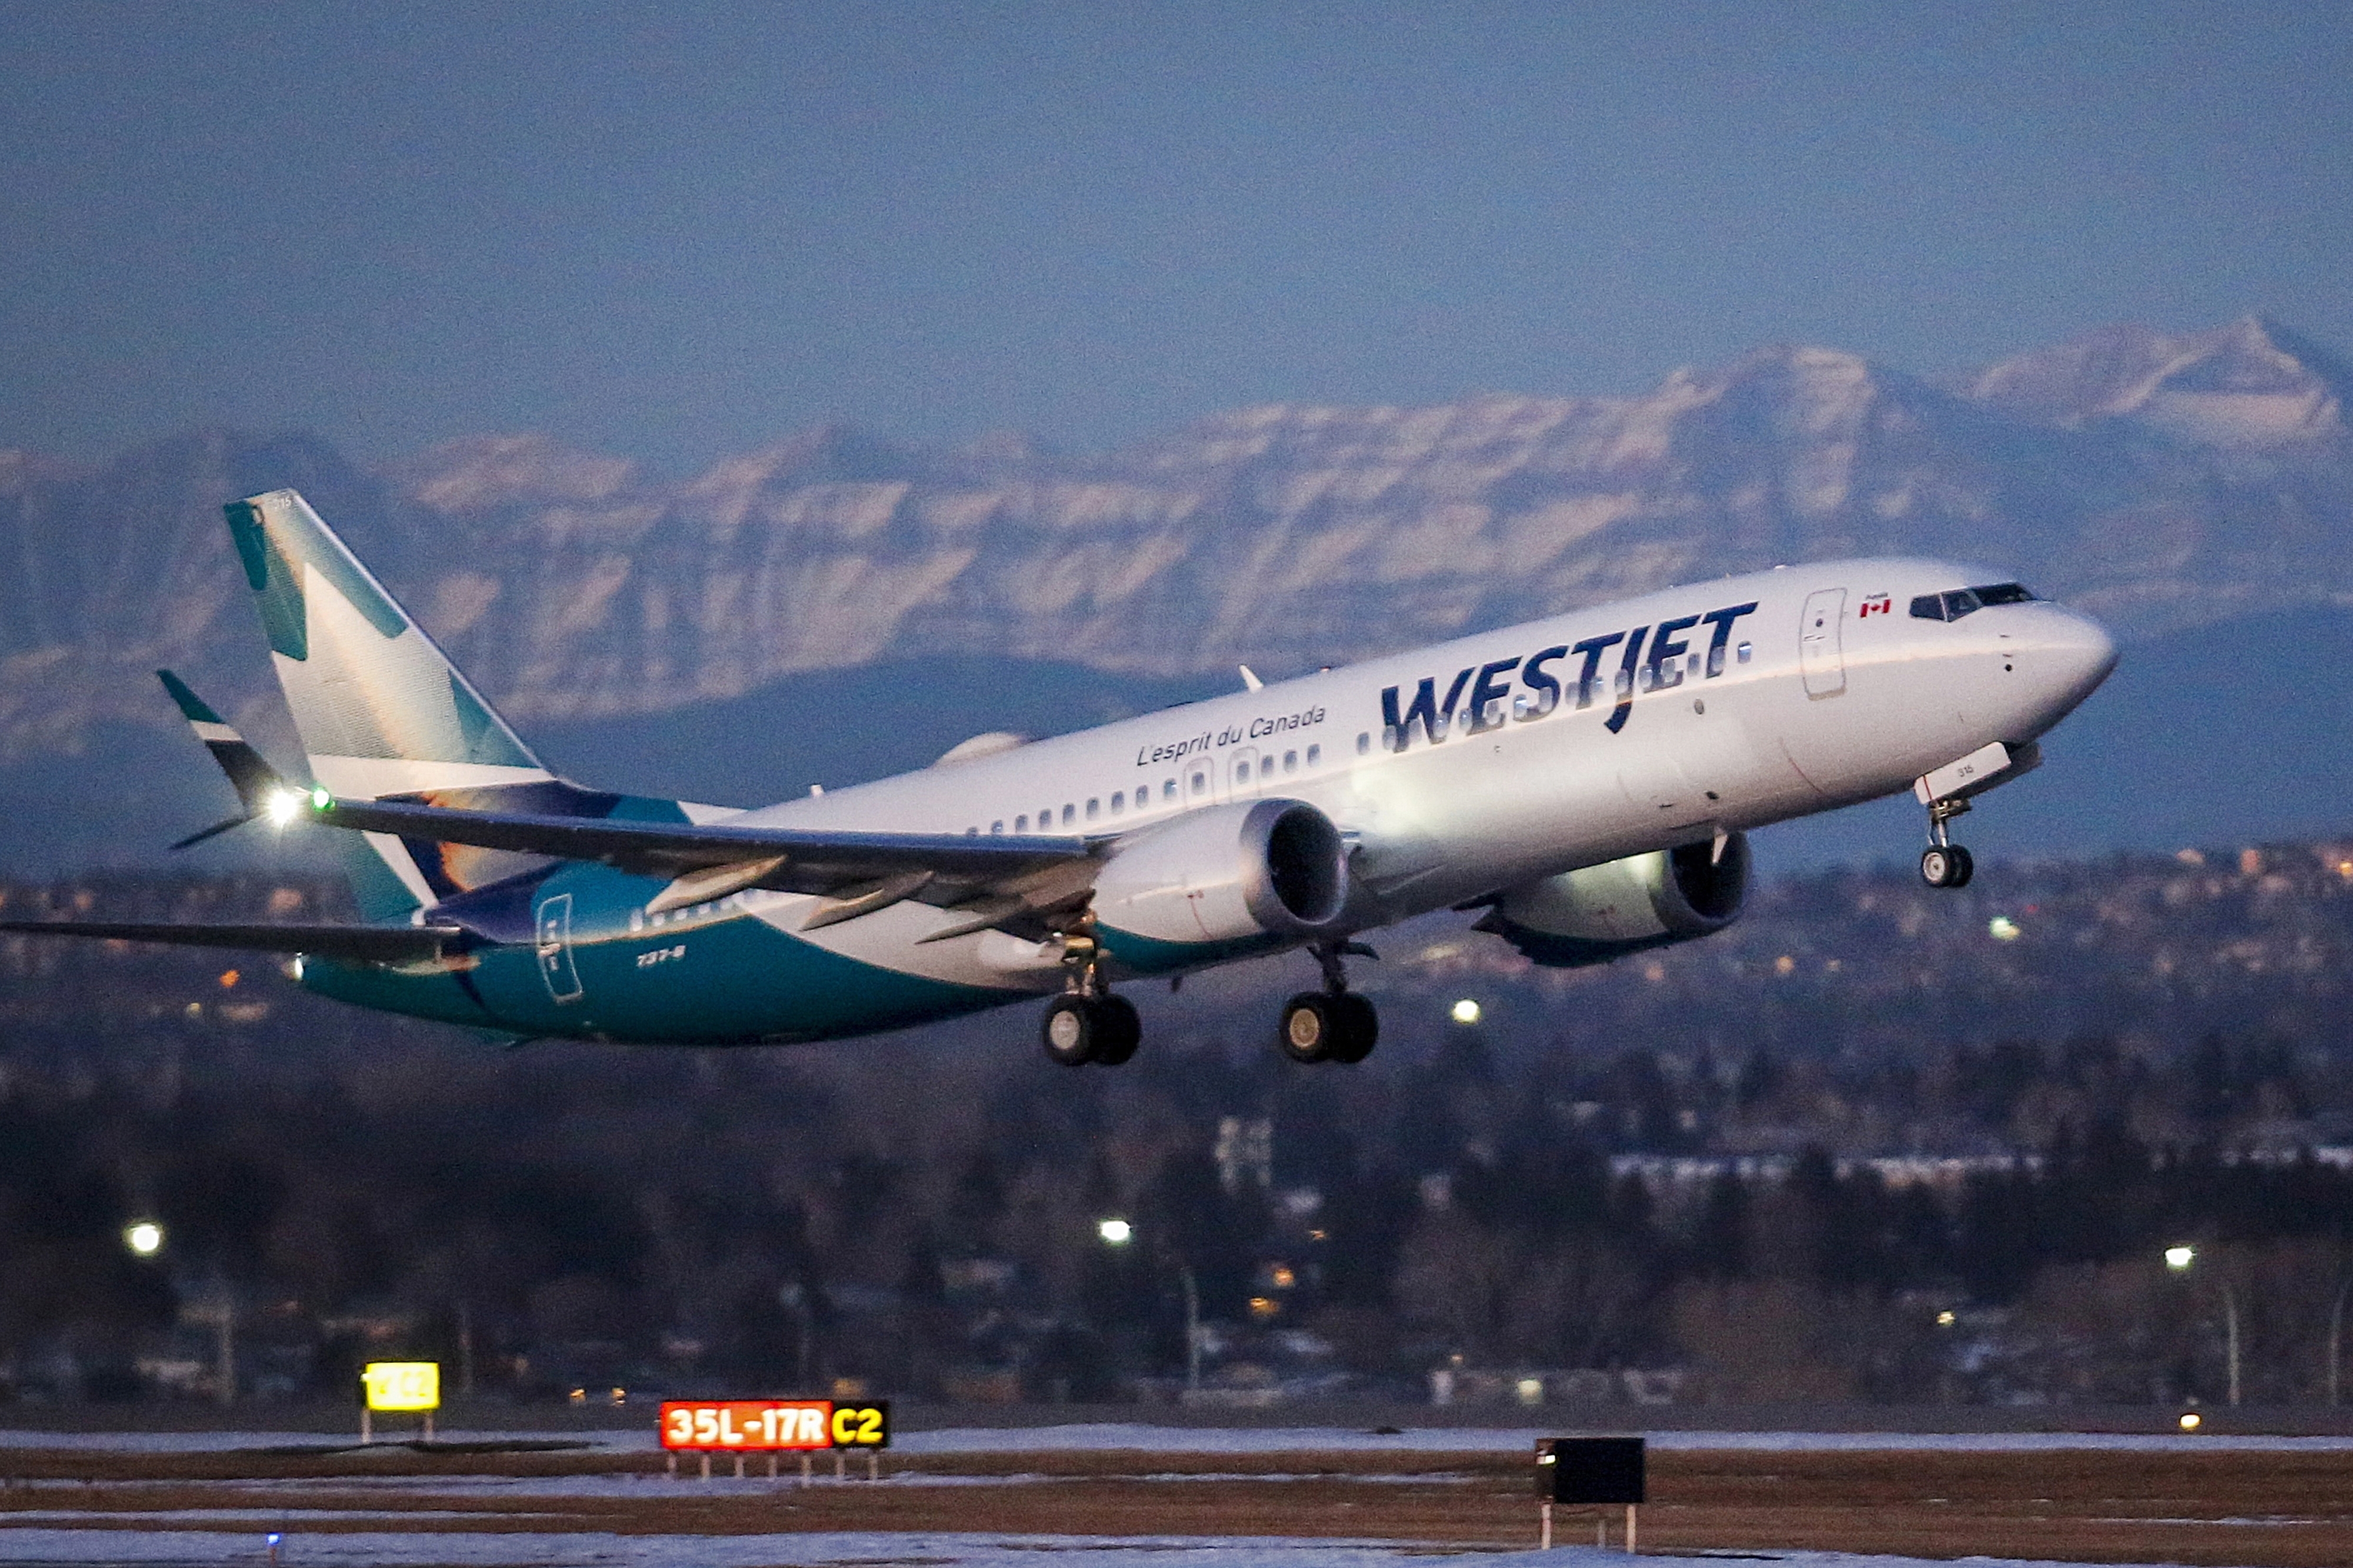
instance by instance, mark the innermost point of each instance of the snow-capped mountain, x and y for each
(2161, 481)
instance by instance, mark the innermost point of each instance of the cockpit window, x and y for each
(1952, 604)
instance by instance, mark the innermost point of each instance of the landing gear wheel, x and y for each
(1328, 1026)
(1082, 1029)
(1310, 1028)
(1360, 1027)
(1947, 866)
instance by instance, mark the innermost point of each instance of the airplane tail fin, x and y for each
(381, 711)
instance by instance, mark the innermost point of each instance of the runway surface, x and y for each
(1111, 1496)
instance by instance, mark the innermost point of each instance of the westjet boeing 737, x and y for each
(1585, 780)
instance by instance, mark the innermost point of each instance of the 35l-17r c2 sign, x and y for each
(740, 1425)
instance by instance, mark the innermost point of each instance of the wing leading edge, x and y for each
(370, 944)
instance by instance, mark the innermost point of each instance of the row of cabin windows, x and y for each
(1198, 782)
(1522, 708)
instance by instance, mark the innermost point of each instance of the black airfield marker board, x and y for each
(1591, 1472)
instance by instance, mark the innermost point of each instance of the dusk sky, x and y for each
(676, 231)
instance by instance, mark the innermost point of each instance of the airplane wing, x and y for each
(374, 944)
(995, 879)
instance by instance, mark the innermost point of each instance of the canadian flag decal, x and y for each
(1882, 606)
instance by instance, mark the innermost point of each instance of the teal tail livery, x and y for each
(1583, 784)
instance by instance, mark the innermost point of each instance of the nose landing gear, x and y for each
(1333, 1024)
(1945, 864)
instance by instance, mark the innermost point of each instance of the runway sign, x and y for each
(402, 1384)
(1590, 1470)
(761, 1426)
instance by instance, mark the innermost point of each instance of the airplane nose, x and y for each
(2077, 652)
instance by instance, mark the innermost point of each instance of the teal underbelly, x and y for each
(724, 982)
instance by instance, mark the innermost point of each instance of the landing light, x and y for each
(1465, 1012)
(2190, 1421)
(1117, 1232)
(144, 1239)
(283, 806)
(2001, 928)
(2179, 1257)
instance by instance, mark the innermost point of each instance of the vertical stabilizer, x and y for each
(380, 710)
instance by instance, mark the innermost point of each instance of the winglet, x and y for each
(1250, 682)
(250, 774)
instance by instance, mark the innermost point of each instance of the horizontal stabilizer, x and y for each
(372, 944)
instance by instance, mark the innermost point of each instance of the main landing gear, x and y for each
(1088, 1023)
(1333, 1024)
(1945, 864)
(1082, 1029)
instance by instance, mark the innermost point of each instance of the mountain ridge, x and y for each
(2163, 481)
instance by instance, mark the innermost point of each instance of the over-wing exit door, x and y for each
(555, 949)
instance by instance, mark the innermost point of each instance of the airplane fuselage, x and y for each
(1452, 771)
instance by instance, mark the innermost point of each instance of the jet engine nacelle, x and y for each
(1600, 912)
(1225, 874)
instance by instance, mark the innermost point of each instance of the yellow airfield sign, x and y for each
(403, 1385)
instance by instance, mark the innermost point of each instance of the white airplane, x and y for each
(1586, 780)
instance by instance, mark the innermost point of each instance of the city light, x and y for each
(143, 1238)
(1117, 1232)
(1465, 1012)
(2179, 1257)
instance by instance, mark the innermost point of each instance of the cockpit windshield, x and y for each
(1953, 604)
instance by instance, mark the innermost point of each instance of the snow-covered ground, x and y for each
(1268, 1440)
(844, 1550)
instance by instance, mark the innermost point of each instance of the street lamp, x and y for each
(145, 1238)
(1119, 1233)
(2178, 1259)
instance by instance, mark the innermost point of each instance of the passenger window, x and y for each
(1241, 772)
(1745, 649)
(1021, 822)
(1070, 814)
(1168, 789)
(1093, 807)
(1118, 801)
(1314, 755)
(1200, 781)
(1291, 762)
(1364, 743)
(996, 828)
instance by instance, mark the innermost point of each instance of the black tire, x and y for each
(1936, 867)
(1118, 1030)
(1308, 1029)
(1359, 1028)
(1068, 1031)
(1964, 867)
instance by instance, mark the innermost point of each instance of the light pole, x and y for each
(2336, 1333)
(1118, 1232)
(2178, 1260)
